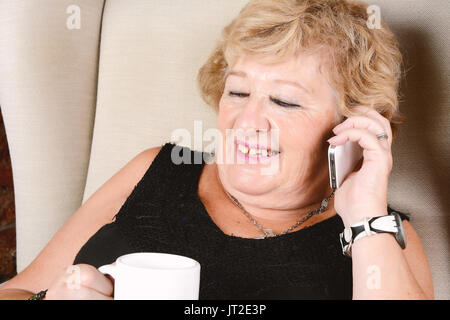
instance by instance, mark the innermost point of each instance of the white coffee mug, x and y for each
(154, 276)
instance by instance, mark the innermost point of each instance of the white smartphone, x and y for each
(342, 160)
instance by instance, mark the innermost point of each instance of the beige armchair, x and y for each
(85, 85)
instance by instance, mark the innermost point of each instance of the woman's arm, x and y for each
(382, 270)
(97, 211)
(14, 294)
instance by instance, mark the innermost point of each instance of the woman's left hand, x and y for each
(364, 192)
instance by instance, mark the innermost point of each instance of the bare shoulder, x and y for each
(136, 168)
(97, 211)
(417, 260)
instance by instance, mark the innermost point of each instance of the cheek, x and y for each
(300, 132)
(224, 116)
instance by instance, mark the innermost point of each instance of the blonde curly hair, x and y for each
(363, 64)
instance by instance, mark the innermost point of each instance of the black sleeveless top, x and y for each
(164, 214)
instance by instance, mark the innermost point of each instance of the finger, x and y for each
(373, 150)
(85, 293)
(92, 278)
(375, 115)
(360, 122)
(95, 295)
(364, 138)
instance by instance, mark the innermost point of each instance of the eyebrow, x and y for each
(292, 83)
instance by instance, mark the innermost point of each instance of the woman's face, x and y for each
(293, 97)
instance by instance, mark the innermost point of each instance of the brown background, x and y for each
(7, 216)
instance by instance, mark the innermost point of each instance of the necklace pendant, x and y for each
(259, 237)
(269, 233)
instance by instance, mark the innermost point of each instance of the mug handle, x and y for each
(108, 269)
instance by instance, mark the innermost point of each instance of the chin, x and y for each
(247, 179)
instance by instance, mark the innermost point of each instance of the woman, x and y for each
(313, 72)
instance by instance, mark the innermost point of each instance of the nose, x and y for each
(252, 116)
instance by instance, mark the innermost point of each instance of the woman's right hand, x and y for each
(81, 282)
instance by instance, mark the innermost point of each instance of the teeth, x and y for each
(242, 148)
(254, 152)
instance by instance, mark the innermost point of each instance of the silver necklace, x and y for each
(268, 232)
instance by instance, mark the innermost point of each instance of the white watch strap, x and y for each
(370, 226)
(385, 224)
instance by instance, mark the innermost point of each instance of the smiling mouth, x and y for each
(254, 151)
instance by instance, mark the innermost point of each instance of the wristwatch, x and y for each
(391, 223)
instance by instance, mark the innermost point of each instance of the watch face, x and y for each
(400, 235)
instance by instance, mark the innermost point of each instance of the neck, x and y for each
(286, 213)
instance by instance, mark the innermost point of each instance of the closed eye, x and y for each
(238, 94)
(285, 104)
(277, 101)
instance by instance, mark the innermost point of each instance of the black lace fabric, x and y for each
(165, 214)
